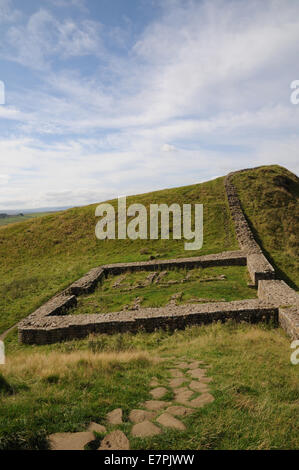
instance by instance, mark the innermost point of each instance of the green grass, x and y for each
(61, 388)
(270, 199)
(108, 298)
(40, 257)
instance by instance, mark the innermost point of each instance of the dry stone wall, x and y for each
(258, 266)
(276, 302)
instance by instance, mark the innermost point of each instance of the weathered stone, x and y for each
(145, 429)
(202, 400)
(183, 365)
(168, 421)
(197, 373)
(194, 365)
(179, 410)
(154, 382)
(155, 405)
(138, 416)
(183, 397)
(115, 416)
(176, 373)
(116, 440)
(95, 427)
(158, 392)
(199, 387)
(70, 441)
(177, 382)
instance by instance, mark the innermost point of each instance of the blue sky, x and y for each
(113, 97)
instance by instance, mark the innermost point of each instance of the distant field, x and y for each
(21, 218)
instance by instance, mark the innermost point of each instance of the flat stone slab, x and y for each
(168, 421)
(158, 392)
(145, 429)
(197, 373)
(199, 387)
(183, 365)
(138, 416)
(154, 382)
(70, 440)
(183, 397)
(195, 364)
(115, 416)
(177, 382)
(176, 373)
(155, 405)
(179, 410)
(202, 400)
(95, 427)
(116, 440)
(206, 380)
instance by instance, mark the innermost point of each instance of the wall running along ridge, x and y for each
(51, 322)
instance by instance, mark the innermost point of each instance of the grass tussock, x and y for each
(61, 364)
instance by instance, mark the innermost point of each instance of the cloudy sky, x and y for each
(113, 97)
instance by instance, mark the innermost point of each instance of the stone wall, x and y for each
(50, 324)
(59, 328)
(279, 294)
(258, 266)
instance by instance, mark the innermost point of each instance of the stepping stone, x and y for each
(206, 380)
(155, 405)
(183, 365)
(116, 440)
(145, 429)
(169, 421)
(95, 427)
(70, 440)
(203, 400)
(138, 416)
(179, 411)
(115, 416)
(196, 373)
(176, 373)
(199, 387)
(183, 397)
(194, 365)
(154, 382)
(177, 382)
(158, 392)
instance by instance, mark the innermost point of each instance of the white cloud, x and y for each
(205, 90)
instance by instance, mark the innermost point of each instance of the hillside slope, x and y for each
(40, 257)
(270, 199)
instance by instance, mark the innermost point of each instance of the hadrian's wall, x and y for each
(262, 273)
(258, 266)
(276, 301)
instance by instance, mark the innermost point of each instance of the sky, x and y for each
(117, 97)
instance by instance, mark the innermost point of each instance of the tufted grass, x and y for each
(61, 388)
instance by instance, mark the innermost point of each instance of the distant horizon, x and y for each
(62, 208)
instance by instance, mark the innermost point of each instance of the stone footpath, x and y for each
(189, 386)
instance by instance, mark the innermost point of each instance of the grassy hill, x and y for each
(62, 387)
(40, 257)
